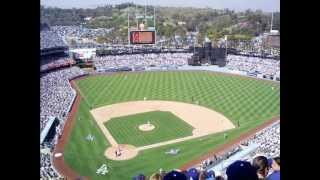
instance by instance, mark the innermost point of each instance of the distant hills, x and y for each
(170, 21)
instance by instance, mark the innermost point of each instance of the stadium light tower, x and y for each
(194, 42)
(154, 17)
(271, 22)
(128, 29)
(145, 12)
(226, 39)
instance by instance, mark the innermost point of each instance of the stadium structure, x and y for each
(145, 110)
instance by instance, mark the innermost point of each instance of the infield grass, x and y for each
(249, 101)
(125, 129)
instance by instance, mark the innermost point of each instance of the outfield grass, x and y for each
(125, 129)
(249, 101)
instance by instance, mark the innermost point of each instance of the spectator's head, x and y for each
(260, 163)
(203, 175)
(155, 176)
(275, 163)
(185, 172)
(175, 175)
(193, 173)
(211, 175)
(241, 170)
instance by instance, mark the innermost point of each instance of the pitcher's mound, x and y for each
(125, 152)
(146, 127)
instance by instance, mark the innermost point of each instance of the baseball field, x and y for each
(114, 107)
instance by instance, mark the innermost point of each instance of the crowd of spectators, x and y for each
(216, 159)
(46, 169)
(47, 64)
(56, 98)
(265, 159)
(56, 94)
(145, 60)
(103, 50)
(256, 47)
(50, 39)
(260, 168)
(79, 31)
(249, 64)
(268, 141)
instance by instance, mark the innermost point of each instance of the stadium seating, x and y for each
(253, 64)
(268, 143)
(56, 98)
(50, 39)
(142, 60)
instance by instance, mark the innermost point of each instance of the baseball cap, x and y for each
(241, 170)
(210, 175)
(193, 173)
(175, 175)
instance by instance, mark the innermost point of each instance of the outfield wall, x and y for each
(212, 68)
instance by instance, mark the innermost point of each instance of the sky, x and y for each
(237, 5)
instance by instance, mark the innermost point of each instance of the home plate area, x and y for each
(121, 152)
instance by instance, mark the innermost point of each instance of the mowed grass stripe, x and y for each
(247, 100)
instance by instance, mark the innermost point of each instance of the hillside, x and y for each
(170, 21)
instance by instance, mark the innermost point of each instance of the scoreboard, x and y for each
(142, 37)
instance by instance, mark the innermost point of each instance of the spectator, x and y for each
(241, 170)
(275, 165)
(155, 176)
(193, 173)
(175, 175)
(260, 163)
(210, 175)
(203, 175)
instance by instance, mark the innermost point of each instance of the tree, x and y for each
(213, 35)
(181, 31)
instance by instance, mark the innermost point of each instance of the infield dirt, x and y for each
(205, 121)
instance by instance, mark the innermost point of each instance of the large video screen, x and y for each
(142, 37)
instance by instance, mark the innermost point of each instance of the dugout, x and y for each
(49, 131)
